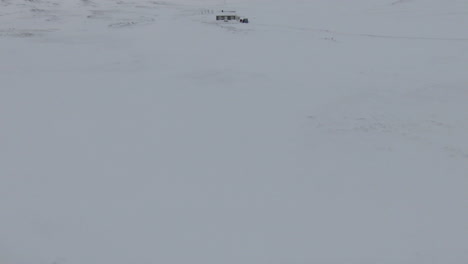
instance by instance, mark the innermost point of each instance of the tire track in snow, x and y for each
(368, 35)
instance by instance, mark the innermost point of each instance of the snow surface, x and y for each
(326, 131)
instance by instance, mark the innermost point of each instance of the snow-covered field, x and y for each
(322, 132)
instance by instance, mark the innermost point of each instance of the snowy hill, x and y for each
(324, 131)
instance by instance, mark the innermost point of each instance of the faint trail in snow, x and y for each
(399, 37)
(456, 152)
(366, 34)
(24, 33)
(425, 132)
(123, 24)
(232, 28)
(400, 2)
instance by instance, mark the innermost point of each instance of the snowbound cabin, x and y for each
(228, 17)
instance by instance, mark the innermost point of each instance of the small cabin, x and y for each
(228, 17)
